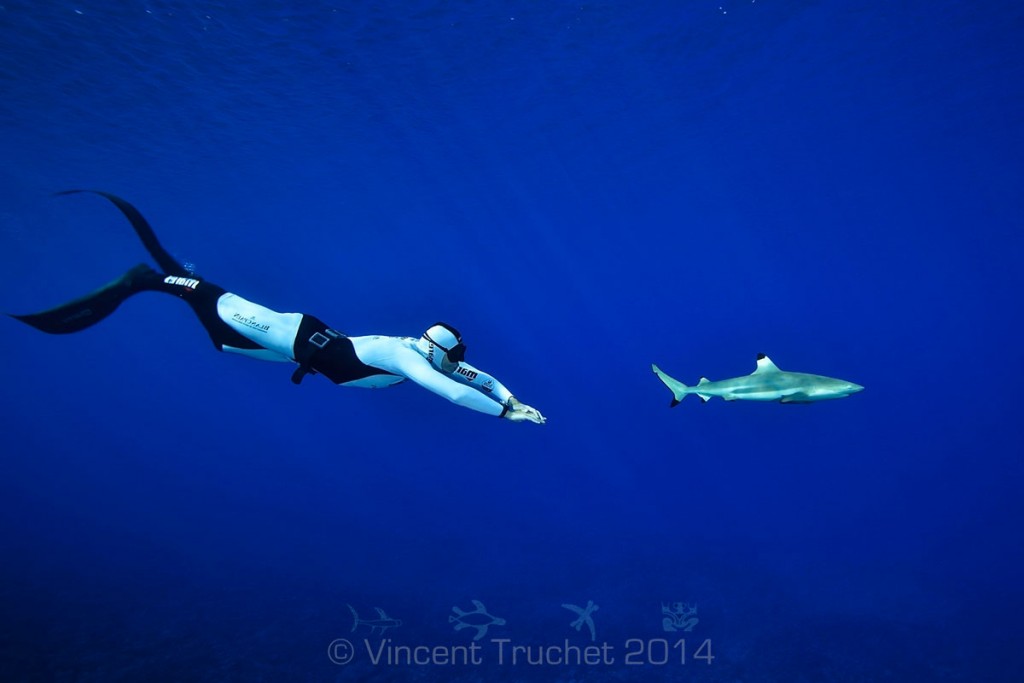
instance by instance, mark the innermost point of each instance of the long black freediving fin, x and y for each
(90, 309)
(168, 264)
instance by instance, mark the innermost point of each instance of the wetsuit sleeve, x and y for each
(421, 372)
(482, 382)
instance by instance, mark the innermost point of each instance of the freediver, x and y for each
(435, 361)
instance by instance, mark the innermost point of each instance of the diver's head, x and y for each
(443, 347)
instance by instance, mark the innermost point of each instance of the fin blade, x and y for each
(143, 229)
(86, 311)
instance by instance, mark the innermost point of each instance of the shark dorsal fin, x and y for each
(764, 364)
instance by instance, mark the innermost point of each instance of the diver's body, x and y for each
(435, 361)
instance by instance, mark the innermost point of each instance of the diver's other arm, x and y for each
(483, 382)
(520, 412)
(427, 377)
(487, 384)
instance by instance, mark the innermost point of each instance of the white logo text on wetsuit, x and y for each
(250, 322)
(191, 283)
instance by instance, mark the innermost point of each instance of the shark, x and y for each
(383, 622)
(766, 383)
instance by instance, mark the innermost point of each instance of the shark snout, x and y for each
(853, 388)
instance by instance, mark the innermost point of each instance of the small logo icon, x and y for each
(584, 617)
(478, 618)
(341, 652)
(377, 626)
(678, 616)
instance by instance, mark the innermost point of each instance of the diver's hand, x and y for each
(520, 412)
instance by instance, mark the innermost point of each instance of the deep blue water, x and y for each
(583, 189)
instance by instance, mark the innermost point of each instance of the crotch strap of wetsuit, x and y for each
(311, 342)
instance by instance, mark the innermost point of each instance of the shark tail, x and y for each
(679, 390)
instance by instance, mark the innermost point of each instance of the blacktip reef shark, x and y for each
(766, 383)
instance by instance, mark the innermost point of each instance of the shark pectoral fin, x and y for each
(796, 398)
(673, 403)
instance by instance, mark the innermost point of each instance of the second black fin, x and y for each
(90, 309)
(167, 263)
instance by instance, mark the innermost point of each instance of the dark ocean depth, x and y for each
(583, 189)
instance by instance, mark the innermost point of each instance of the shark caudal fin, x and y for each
(679, 390)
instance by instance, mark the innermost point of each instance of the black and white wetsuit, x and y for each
(236, 325)
(239, 326)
